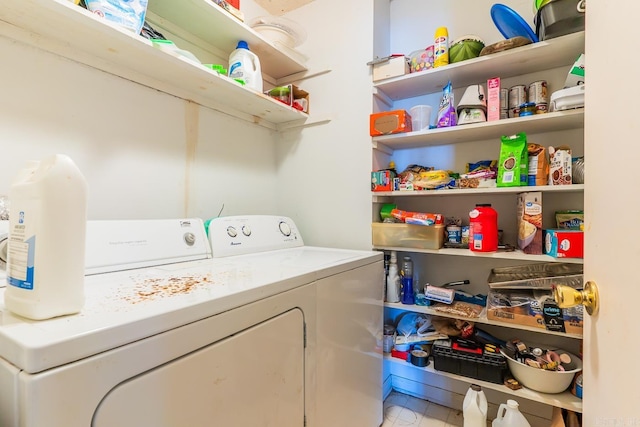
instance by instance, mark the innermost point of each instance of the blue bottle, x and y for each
(406, 281)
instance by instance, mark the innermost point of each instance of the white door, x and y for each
(612, 209)
(254, 378)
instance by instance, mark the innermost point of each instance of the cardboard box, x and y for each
(388, 122)
(493, 99)
(564, 243)
(384, 181)
(292, 96)
(560, 165)
(533, 308)
(529, 210)
(391, 66)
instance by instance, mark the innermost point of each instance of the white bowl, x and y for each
(542, 380)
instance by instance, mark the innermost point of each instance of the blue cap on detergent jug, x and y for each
(242, 45)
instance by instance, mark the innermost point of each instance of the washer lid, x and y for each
(510, 23)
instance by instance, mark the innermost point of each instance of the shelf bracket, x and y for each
(381, 96)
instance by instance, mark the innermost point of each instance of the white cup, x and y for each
(420, 117)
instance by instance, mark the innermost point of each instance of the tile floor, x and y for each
(401, 410)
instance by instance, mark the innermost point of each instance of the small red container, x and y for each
(483, 229)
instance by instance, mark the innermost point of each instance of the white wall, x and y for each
(324, 171)
(145, 154)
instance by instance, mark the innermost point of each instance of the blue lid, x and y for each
(242, 45)
(510, 24)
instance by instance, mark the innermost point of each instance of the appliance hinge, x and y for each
(304, 334)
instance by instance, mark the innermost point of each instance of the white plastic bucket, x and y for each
(420, 117)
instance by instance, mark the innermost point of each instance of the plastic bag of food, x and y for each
(459, 308)
(127, 14)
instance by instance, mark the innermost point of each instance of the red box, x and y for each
(384, 180)
(564, 243)
(234, 3)
(387, 122)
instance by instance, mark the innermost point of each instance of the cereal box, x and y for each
(530, 222)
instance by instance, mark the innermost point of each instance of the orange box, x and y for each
(387, 122)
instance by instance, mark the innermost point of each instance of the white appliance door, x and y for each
(253, 378)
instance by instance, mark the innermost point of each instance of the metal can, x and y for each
(504, 99)
(517, 96)
(538, 95)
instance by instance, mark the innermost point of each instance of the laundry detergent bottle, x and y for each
(244, 65)
(510, 416)
(47, 233)
(474, 407)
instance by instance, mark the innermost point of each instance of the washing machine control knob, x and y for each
(284, 228)
(231, 231)
(190, 239)
(246, 230)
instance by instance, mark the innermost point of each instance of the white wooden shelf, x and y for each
(62, 28)
(564, 400)
(482, 319)
(384, 196)
(549, 122)
(515, 255)
(544, 55)
(209, 22)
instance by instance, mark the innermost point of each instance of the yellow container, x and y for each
(407, 235)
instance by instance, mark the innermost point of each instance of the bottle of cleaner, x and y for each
(474, 407)
(245, 65)
(441, 47)
(510, 416)
(393, 279)
(406, 279)
(47, 232)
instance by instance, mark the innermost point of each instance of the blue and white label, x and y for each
(21, 254)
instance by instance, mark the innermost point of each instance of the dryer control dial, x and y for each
(246, 230)
(284, 228)
(231, 231)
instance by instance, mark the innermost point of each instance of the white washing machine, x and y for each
(260, 331)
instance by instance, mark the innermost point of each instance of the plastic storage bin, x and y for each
(450, 356)
(408, 235)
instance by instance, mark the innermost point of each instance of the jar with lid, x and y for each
(483, 228)
(527, 109)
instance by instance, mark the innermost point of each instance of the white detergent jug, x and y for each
(510, 416)
(474, 407)
(244, 65)
(46, 245)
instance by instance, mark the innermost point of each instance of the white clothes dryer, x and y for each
(257, 334)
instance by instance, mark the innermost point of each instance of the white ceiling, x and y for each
(280, 7)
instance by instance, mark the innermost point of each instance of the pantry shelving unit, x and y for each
(537, 57)
(67, 30)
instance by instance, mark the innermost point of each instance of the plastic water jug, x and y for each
(245, 65)
(474, 407)
(47, 232)
(483, 228)
(510, 416)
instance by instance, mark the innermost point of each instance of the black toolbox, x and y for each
(469, 359)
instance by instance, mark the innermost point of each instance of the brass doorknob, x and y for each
(566, 297)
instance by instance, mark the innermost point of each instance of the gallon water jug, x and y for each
(474, 407)
(245, 65)
(510, 416)
(47, 232)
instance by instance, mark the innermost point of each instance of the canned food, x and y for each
(504, 99)
(538, 95)
(517, 96)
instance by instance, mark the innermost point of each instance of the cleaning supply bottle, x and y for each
(47, 232)
(393, 280)
(406, 278)
(441, 47)
(244, 65)
(474, 407)
(510, 416)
